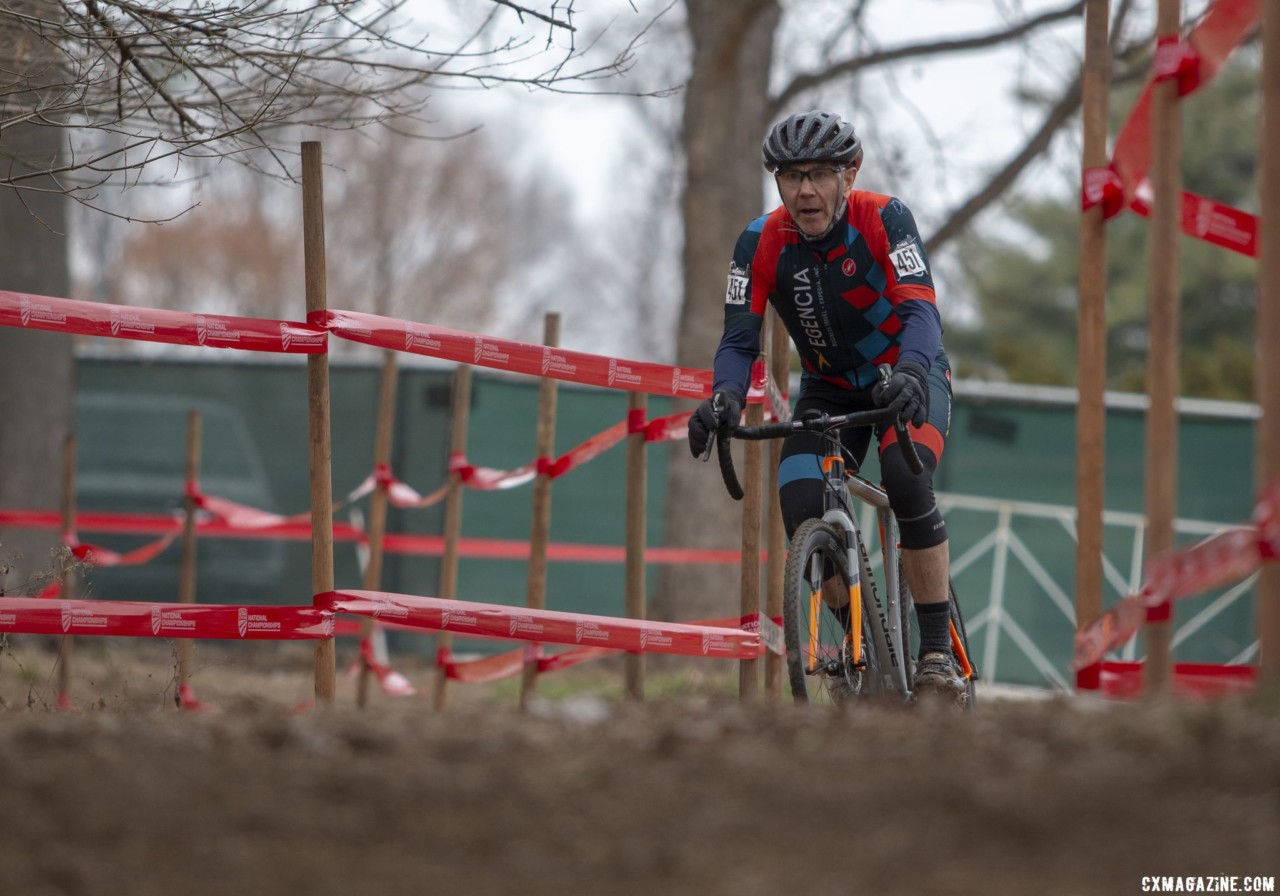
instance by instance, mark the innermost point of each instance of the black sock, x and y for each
(935, 627)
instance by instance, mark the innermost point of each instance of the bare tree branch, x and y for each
(1058, 115)
(216, 77)
(804, 83)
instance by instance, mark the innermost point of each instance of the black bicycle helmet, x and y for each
(812, 137)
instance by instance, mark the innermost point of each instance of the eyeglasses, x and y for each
(822, 177)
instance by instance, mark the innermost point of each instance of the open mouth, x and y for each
(809, 217)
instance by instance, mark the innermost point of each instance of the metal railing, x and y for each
(1001, 549)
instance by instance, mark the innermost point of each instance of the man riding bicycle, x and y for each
(847, 274)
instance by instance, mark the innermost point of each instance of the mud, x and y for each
(691, 791)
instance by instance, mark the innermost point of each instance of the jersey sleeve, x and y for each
(911, 290)
(740, 342)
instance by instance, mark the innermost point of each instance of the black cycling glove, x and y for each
(724, 406)
(906, 393)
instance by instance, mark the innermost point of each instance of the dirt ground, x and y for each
(691, 791)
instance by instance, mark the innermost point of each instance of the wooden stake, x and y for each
(378, 506)
(1092, 339)
(637, 504)
(775, 531)
(460, 417)
(318, 409)
(749, 670)
(187, 558)
(70, 580)
(1162, 358)
(1267, 373)
(540, 535)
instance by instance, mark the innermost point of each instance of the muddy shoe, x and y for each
(938, 677)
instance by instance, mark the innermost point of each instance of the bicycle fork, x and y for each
(833, 469)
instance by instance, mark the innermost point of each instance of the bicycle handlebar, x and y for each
(726, 468)
(820, 423)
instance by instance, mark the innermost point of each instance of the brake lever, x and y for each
(717, 408)
(914, 464)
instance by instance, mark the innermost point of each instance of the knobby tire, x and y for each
(839, 681)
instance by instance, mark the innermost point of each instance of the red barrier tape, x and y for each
(509, 664)
(517, 357)
(155, 325)
(416, 545)
(549, 626)
(671, 428)
(1176, 60)
(1193, 62)
(73, 316)
(187, 700)
(389, 680)
(1218, 560)
(1102, 187)
(1124, 679)
(398, 493)
(101, 557)
(1210, 221)
(134, 619)
(241, 516)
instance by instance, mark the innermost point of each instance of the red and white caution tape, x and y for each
(391, 681)
(517, 357)
(1192, 62)
(395, 543)
(136, 619)
(102, 557)
(156, 325)
(546, 626)
(1227, 557)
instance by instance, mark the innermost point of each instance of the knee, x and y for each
(920, 522)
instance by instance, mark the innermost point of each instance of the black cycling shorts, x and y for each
(920, 523)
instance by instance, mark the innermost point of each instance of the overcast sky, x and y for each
(963, 103)
(952, 120)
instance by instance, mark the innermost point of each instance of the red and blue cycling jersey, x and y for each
(857, 298)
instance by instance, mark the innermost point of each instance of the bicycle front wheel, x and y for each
(825, 663)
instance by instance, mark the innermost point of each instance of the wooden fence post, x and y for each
(776, 533)
(540, 534)
(1091, 355)
(460, 418)
(1162, 359)
(1267, 373)
(637, 504)
(378, 509)
(749, 670)
(66, 645)
(187, 558)
(318, 409)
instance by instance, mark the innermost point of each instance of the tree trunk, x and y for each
(35, 367)
(725, 120)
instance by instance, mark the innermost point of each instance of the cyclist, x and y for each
(847, 273)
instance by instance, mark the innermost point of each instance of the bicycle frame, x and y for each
(887, 617)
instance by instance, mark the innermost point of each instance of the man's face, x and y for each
(811, 191)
